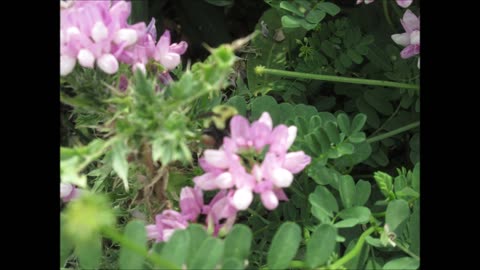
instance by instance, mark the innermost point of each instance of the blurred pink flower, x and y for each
(254, 159)
(69, 192)
(411, 38)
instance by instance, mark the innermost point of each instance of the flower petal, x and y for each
(179, 48)
(410, 22)
(296, 161)
(67, 64)
(282, 178)
(216, 158)
(242, 198)
(404, 3)
(401, 39)
(86, 58)
(108, 63)
(269, 199)
(410, 51)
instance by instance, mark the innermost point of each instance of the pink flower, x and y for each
(220, 213)
(254, 159)
(191, 202)
(165, 225)
(402, 3)
(411, 38)
(97, 33)
(169, 54)
(69, 192)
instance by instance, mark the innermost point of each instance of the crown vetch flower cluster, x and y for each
(220, 215)
(411, 38)
(254, 159)
(97, 33)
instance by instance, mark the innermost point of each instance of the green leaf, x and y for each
(265, 104)
(135, 232)
(377, 100)
(343, 123)
(238, 242)
(197, 235)
(380, 157)
(289, 21)
(290, 7)
(321, 245)
(356, 57)
(208, 255)
(357, 137)
(414, 229)
(284, 245)
(362, 193)
(330, 8)
(347, 190)
(347, 223)
(407, 192)
(328, 48)
(416, 177)
(239, 103)
(233, 263)
(345, 60)
(359, 212)
(384, 182)
(177, 247)
(315, 16)
(89, 252)
(372, 117)
(66, 244)
(332, 132)
(397, 213)
(345, 148)
(324, 199)
(119, 161)
(402, 263)
(358, 261)
(269, 53)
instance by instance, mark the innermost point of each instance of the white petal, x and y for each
(65, 190)
(224, 180)
(216, 158)
(140, 66)
(86, 58)
(292, 134)
(108, 63)
(67, 64)
(266, 119)
(99, 32)
(242, 198)
(401, 39)
(126, 35)
(415, 37)
(281, 177)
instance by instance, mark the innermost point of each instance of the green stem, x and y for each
(393, 132)
(253, 212)
(404, 249)
(387, 15)
(388, 120)
(354, 252)
(124, 242)
(260, 70)
(381, 214)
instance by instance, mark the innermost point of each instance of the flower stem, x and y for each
(404, 249)
(124, 242)
(393, 132)
(260, 70)
(253, 212)
(354, 252)
(387, 15)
